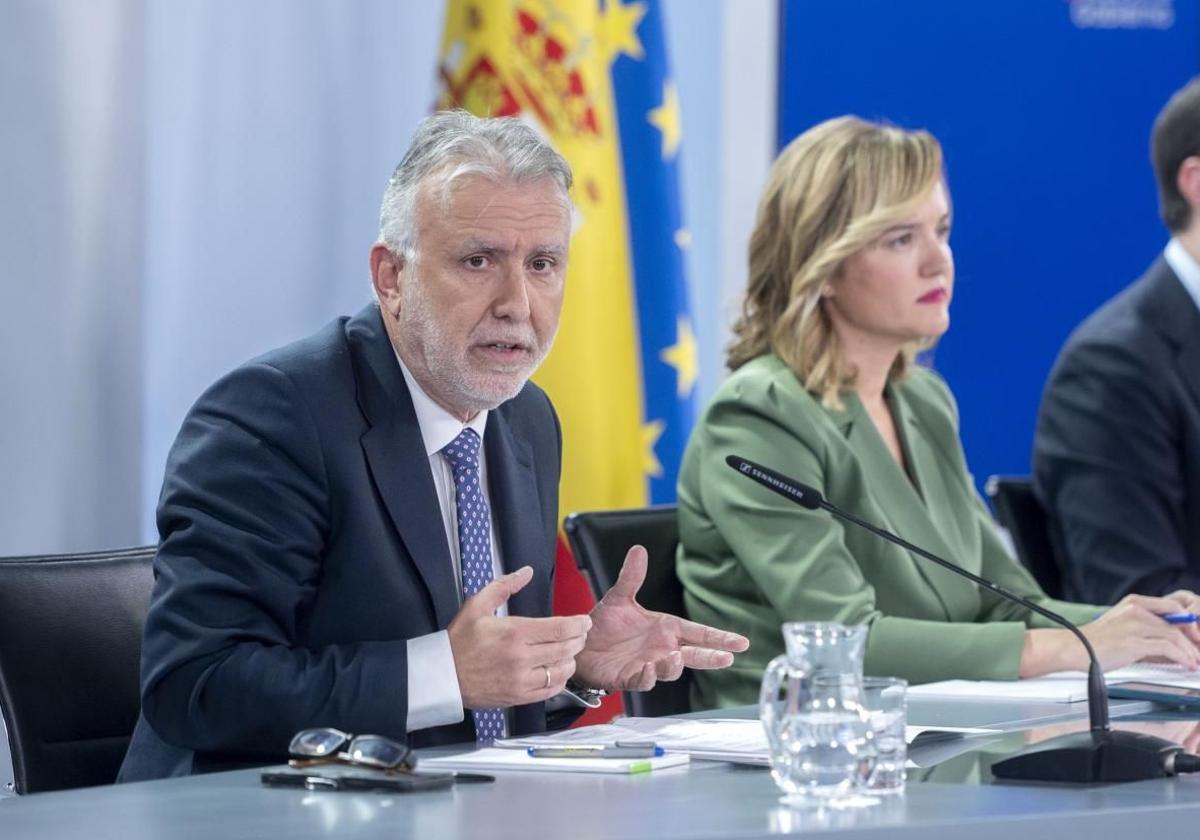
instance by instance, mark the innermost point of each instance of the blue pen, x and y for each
(616, 751)
(1171, 618)
(1181, 618)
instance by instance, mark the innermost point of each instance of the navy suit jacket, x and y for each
(1117, 452)
(302, 545)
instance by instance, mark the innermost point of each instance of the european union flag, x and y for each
(647, 104)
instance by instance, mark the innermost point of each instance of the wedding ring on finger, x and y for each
(546, 668)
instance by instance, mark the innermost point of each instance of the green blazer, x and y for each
(750, 560)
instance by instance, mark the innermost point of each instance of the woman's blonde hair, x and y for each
(833, 191)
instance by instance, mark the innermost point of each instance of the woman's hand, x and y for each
(1189, 599)
(1132, 631)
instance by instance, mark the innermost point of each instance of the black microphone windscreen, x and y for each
(789, 488)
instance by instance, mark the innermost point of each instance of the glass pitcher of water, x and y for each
(811, 705)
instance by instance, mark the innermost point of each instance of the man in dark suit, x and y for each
(1117, 452)
(358, 529)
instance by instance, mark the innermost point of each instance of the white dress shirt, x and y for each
(1185, 267)
(433, 695)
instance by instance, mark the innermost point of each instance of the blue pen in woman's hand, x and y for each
(1180, 618)
(1171, 618)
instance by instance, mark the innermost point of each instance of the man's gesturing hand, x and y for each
(630, 648)
(505, 661)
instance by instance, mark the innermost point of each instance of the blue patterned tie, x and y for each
(474, 547)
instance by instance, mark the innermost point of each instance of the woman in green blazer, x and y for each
(851, 274)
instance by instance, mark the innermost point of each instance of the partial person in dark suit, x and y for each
(358, 529)
(1117, 453)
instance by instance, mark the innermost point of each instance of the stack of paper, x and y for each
(715, 739)
(1059, 687)
(741, 741)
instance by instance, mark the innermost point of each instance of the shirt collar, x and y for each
(438, 426)
(1185, 267)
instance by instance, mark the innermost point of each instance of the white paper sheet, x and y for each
(1059, 687)
(716, 739)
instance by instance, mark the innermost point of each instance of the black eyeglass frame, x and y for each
(303, 754)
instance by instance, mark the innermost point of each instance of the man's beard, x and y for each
(449, 367)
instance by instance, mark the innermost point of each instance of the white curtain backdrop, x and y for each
(272, 128)
(187, 183)
(71, 144)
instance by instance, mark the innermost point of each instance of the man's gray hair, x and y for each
(451, 144)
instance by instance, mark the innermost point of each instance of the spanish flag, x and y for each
(592, 77)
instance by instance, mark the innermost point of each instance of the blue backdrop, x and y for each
(1045, 120)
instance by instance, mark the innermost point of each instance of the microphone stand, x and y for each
(1098, 755)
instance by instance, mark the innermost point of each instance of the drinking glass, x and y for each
(885, 700)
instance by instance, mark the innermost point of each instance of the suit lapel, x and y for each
(949, 524)
(904, 510)
(1179, 318)
(513, 488)
(397, 461)
(1188, 362)
(893, 494)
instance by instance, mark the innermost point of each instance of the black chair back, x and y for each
(599, 541)
(1019, 511)
(70, 642)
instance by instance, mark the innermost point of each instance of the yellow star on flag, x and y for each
(617, 30)
(666, 119)
(651, 432)
(682, 356)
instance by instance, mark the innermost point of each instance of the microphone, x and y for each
(1098, 755)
